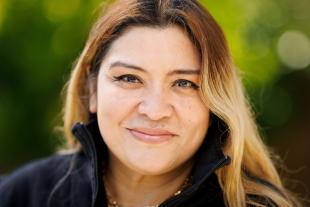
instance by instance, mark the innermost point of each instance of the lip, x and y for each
(151, 136)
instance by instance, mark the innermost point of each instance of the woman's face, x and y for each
(149, 110)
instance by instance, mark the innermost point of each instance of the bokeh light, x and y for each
(294, 49)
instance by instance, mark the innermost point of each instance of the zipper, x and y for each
(172, 202)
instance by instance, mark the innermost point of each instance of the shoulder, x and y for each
(44, 168)
(35, 179)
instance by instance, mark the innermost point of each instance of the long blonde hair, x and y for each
(221, 89)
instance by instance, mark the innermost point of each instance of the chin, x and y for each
(151, 167)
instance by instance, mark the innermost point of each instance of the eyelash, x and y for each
(183, 81)
(128, 77)
(133, 79)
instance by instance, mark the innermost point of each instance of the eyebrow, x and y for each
(174, 72)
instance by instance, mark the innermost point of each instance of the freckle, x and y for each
(189, 107)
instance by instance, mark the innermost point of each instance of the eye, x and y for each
(185, 84)
(127, 79)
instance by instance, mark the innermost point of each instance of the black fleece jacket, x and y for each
(75, 180)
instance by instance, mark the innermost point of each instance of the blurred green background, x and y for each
(270, 44)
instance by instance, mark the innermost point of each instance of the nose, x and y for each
(155, 105)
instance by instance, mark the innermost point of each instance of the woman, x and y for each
(166, 120)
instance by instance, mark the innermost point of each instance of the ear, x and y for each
(92, 97)
(92, 89)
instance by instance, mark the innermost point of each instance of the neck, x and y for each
(131, 189)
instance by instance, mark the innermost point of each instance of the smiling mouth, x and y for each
(151, 136)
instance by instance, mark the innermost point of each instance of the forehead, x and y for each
(149, 46)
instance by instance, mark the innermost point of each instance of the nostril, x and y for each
(155, 110)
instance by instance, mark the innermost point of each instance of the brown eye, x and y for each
(185, 84)
(127, 79)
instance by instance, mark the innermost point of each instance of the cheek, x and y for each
(193, 113)
(194, 118)
(114, 107)
(113, 102)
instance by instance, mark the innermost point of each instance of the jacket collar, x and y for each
(209, 157)
(96, 151)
